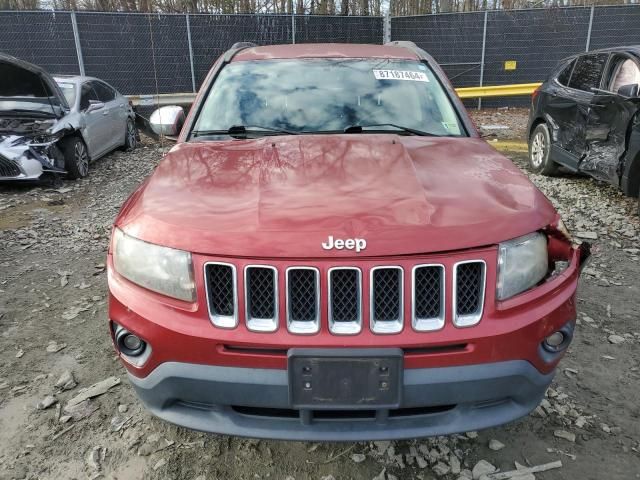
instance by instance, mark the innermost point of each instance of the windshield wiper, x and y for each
(244, 130)
(413, 131)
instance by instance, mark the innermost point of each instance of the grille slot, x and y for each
(220, 280)
(303, 295)
(469, 292)
(386, 299)
(261, 298)
(428, 297)
(345, 300)
(8, 168)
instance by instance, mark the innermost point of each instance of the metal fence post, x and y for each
(193, 74)
(293, 27)
(386, 28)
(484, 44)
(593, 8)
(76, 39)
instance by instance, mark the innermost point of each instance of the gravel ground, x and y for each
(54, 343)
(503, 123)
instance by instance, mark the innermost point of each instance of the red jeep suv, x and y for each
(330, 252)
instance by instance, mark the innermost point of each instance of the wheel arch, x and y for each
(631, 177)
(537, 121)
(76, 133)
(630, 165)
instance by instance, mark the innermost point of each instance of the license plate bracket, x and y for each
(351, 379)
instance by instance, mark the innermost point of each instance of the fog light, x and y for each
(132, 342)
(555, 341)
(129, 344)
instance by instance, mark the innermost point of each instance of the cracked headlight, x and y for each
(522, 263)
(162, 269)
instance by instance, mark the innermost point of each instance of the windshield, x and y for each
(328, 95)
(69, 91)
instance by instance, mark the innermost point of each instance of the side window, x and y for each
(86, 94)
(565, 74)
(588, 72)
(625, 72)
(104, 92)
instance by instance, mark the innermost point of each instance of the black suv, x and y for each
(586, 117)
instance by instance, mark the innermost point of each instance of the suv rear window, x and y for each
(328, 95)
(588, 71)
(565, 74)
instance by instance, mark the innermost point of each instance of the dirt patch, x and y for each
(22, 215)
(502, 123)
(55, 291)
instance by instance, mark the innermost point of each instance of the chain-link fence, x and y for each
(172, 53)
(165, 53)
(516, 46)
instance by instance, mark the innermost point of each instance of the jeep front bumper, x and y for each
(255, 402)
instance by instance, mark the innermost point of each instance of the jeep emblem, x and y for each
(350, 244)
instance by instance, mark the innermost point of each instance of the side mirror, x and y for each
(167, 121)
(629, 91)
(94, 105)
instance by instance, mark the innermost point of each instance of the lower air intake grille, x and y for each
(8, 168)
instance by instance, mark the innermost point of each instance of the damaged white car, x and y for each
(55, 126)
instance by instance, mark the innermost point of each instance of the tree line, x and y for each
(301, 7)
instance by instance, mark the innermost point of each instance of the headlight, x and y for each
(161, 269)
(522, 263)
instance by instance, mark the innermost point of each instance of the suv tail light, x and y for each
(535, 94)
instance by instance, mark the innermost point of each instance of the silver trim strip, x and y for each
(387, 326)
(472, 319)
(344, 328)
(223, 321)
(302, 327)
(261, 324)
(428, 324)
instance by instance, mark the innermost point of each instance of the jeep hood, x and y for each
(282, 196)
(28, 87)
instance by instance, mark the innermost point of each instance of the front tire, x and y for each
(76, 158)
(539, 152)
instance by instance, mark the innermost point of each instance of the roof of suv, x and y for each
(624, 48)
(628, 49)
(324, 50)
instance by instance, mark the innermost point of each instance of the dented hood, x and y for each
(26, 81)
(283, 196)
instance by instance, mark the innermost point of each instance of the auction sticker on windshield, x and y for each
(400, 75)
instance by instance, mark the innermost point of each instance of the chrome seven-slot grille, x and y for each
(345, 297)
